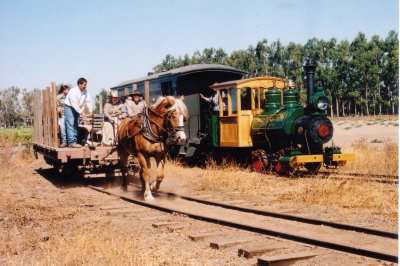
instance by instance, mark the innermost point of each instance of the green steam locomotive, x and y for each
(264, 114)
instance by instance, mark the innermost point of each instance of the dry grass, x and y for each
(374, 160)
(371, 197)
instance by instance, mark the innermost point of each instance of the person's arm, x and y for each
(207, 99)
(124, 113)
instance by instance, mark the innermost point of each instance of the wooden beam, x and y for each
(147, 91)
(54, 113)
(48, 118)
(41, 119)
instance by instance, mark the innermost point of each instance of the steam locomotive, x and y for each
(288, 136)
(260, 118)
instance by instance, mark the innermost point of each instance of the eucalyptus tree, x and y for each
(390, 74)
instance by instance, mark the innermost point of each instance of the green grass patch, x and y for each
(23, 135)
(376, 141)
(347, 128)
(357, 126)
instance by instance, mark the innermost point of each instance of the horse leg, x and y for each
(123, 160)
(145, 165)
(160, 173)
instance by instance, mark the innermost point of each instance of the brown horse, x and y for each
(145, 135)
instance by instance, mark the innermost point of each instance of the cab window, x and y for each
(245, 99)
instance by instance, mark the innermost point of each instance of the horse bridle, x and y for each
(170, 129)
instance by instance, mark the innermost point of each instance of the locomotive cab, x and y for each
(245, 100)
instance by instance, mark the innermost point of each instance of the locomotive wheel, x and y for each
(281, 170)
(260, 165)
(313, 167)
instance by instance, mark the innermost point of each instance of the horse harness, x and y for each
(146, 131)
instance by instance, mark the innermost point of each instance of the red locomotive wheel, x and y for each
(323, 130)
(258, 165)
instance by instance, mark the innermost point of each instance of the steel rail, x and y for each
(260, 230)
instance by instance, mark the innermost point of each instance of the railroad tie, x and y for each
(164, 224)
(227, 243)
(122, 212)
(177, 227)
(285, 259)
(197, 237)
(257, 249)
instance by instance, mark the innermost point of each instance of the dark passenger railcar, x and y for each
(188, 81)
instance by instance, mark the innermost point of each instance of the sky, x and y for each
(109, 42)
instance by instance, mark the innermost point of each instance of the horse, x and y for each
(145, 135)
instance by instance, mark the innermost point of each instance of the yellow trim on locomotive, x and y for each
(343, 157)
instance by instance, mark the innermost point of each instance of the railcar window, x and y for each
(255, 95)
(166, 88)
(245, 99)
(233, 94)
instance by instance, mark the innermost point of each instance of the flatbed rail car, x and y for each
(87, 161)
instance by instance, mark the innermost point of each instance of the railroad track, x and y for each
(341, 237)
(380, 178)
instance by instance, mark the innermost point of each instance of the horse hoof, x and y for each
(124, 188)
(148, 197)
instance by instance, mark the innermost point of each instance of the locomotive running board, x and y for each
(343, 157)
(297, 159)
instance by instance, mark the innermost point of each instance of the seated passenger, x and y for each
(114, 112)
(136, 106)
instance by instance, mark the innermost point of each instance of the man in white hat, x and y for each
(136, 106)
(114, 112)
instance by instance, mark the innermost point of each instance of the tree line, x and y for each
(16, 107)
(360, 77)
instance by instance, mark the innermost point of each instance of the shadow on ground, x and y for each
(63, 181)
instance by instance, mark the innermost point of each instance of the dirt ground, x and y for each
(375, 130)
(47, 220)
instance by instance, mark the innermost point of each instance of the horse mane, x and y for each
(182, 107)
(179, 104)
(160, 99)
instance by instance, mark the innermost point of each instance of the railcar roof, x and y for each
(184, 71)
(264, 82)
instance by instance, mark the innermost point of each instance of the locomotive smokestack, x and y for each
(310, 67)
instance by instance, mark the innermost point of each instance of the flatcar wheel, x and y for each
(313, 167)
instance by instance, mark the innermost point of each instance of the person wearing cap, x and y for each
(114, 112)
(76, 102)
(62, 94)
(136, 106)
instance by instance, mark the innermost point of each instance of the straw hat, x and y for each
(113, 94)
(136, 92)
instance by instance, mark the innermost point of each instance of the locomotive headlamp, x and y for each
(322, 103)
(318, 102)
